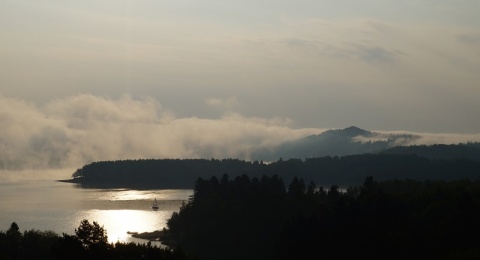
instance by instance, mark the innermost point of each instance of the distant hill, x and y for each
(333, 157)
(338, 142)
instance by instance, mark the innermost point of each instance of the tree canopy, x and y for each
(88, 242)
(346, 170)
(258, 218)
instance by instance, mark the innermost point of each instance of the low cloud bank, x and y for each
(406, 138)
(68, 133)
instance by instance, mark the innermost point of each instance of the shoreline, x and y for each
(70, 181)
(122, 185)
(162, 236)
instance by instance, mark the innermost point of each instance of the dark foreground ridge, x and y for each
(256, 218)
(344, 171)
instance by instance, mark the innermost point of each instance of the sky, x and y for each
(93, 80)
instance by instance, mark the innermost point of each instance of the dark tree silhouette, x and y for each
(91, 235)
(13, 241)
(257, 219)
(343, 171)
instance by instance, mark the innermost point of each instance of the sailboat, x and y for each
(155, 205)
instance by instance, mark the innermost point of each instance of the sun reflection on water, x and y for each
(119, 222)
(121, 211)
(60, 207)
(131, 195)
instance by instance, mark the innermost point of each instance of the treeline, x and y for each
(346, 170)
(160, 173)
(89, 242)
(258, 218)
(468, 151)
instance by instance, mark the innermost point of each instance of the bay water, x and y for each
(60, 207)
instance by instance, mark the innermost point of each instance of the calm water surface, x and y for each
(56, 206)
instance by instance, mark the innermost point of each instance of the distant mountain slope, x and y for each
(338, 142)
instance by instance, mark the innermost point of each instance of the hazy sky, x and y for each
(287, 67)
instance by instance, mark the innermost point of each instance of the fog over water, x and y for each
(53, 139)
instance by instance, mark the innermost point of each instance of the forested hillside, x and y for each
(346, 170)
(469, 151)
(259, 218)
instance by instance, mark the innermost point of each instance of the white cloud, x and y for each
(435, 138)
(406, 138)
(69, 132)
(80, 129)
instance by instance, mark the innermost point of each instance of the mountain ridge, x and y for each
(334, 142)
